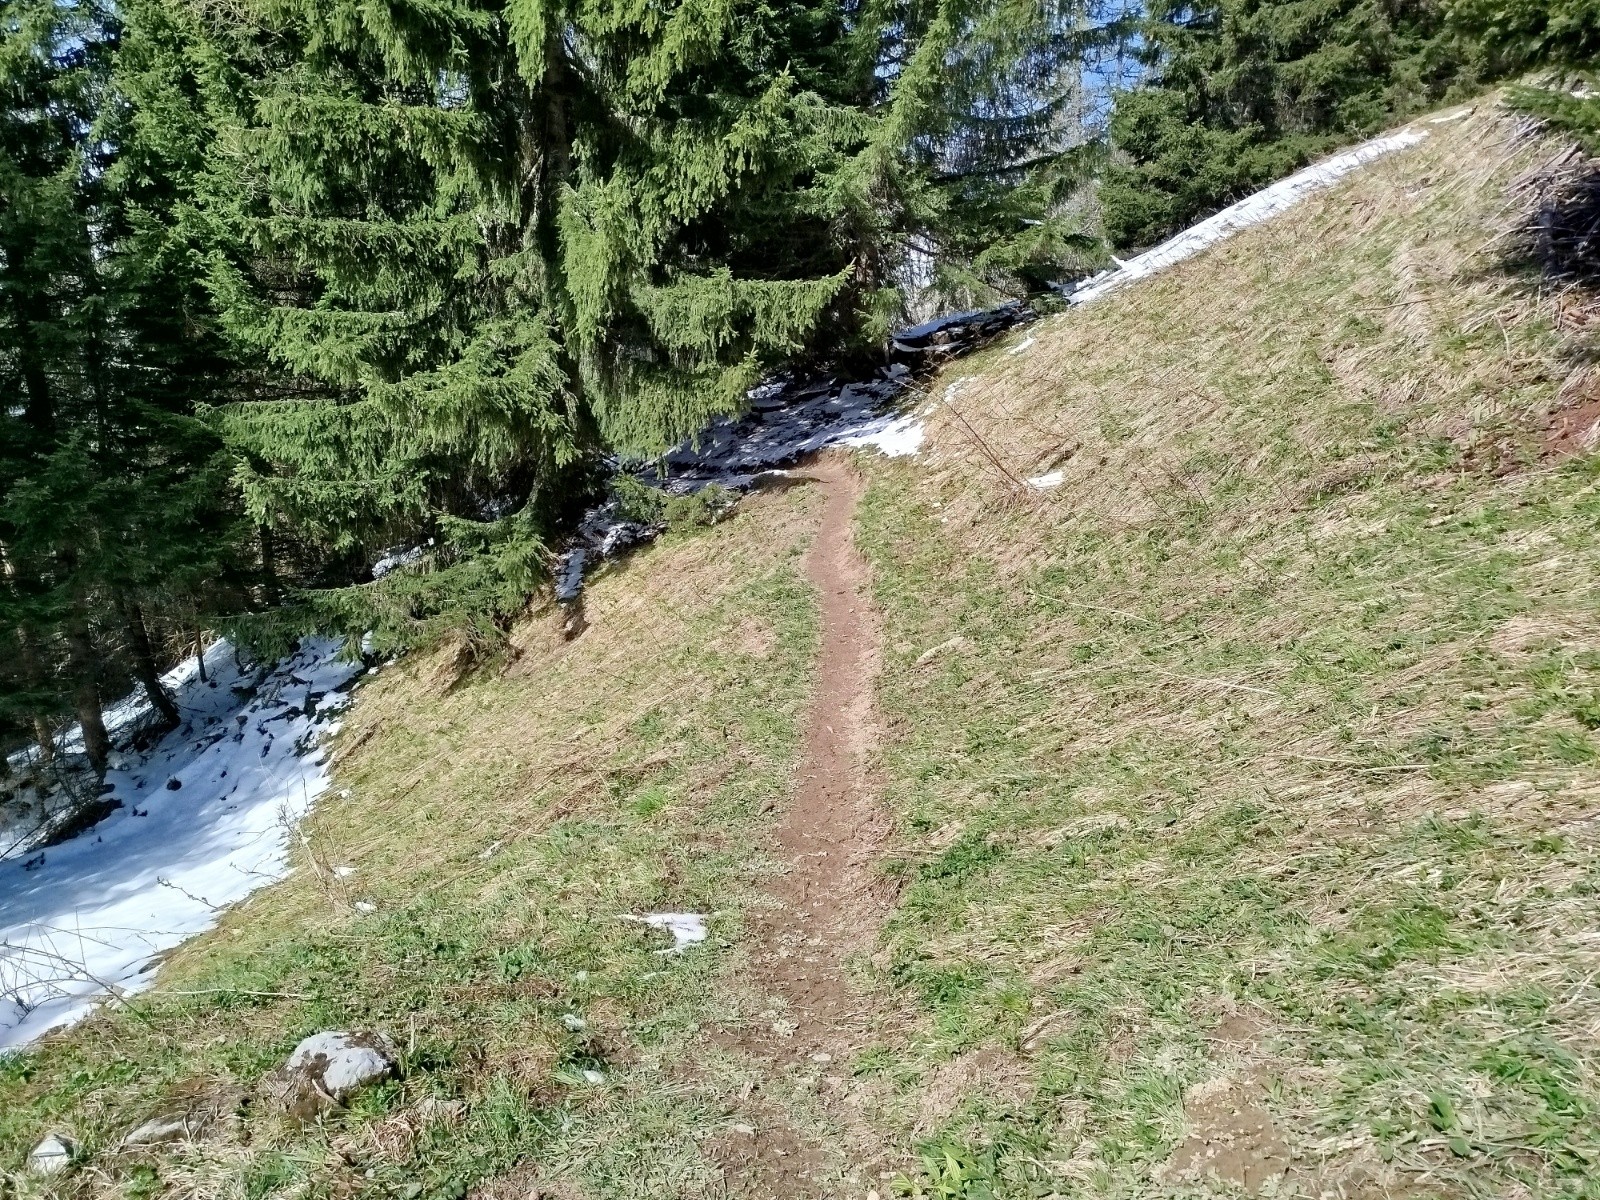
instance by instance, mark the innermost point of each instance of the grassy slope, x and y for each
(1264, 769)
(1250, 783)
(500, 826)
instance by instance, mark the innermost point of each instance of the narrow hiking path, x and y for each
(830, 901)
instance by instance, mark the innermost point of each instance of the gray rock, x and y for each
(187, 1118)
(174, 1127)
(331, 1066)
(51, 1155)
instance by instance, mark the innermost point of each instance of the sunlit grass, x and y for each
(498, 826)
(1258, 759)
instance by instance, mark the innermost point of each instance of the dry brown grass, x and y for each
(554, 732)
(1280, 700)
(461, 889)
(1246, 784)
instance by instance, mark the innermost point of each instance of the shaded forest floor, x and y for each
(1228, 822)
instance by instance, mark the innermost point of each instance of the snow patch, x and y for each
(396, 559)
(1267, 203)
(91, 916)
(956, 385)
(1049, 479)
(896, 437)
(686, 928)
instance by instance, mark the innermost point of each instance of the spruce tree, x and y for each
(113, 494)
(51, 57)
(472, 243)
(1557, 40)
(997, 113)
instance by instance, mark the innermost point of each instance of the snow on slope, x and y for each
(90, 916)
(1267, 203)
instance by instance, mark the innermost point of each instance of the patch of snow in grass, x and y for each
(686, 928)
(90, 916)
(956, 385)
(1268, 202)
(1021, 347)
(895, 437)
(1049, 479)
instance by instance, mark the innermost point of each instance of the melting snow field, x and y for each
(91, 916)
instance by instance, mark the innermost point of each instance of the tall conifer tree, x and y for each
(114, 510)
(1241, 92)
(473, 241)
(1560, 39)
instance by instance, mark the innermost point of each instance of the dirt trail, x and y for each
(831, 901)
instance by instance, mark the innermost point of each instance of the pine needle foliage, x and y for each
(998, 109)
(289, 284)
(116, 529)
(1556, 39)
(470, 245)
(1242, 92)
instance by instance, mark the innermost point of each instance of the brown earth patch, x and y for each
(1572, 431)
(1568, 430)
(1231, 1138)
(525, 1183)
(830, 902)
(761, 1155)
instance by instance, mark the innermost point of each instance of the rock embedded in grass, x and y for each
(51, 1155)
(170, 1127)
(187, 1119)
(328, 1068)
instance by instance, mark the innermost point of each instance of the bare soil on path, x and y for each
(831, 901)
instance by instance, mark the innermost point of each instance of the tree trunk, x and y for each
(269, 567)
(144, 662)
(43, 735)
(86, 693)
